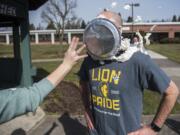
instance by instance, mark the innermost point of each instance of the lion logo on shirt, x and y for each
(104, 90)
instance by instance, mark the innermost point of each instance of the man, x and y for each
(112, 91)
(17, 101)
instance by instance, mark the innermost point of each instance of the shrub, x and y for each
(170, 40)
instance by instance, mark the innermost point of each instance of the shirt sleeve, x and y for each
(83, 72)
(152, 77)
(17, 101)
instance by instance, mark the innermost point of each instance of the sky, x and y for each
(148, 9)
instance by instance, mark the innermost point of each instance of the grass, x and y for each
(172, 51)
(43, 69)
(6, 51)
(37, 51)
(151, 99)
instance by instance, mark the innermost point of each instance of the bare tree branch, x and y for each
(57, 12)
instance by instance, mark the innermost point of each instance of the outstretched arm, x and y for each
(70, 59)
(167, 103)
(17, 101)
(147, 41)
(140, 38)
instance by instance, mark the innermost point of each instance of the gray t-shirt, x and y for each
(117, 91)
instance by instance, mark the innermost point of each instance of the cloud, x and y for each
(138, 19)
(113, 4)
(127, 7)
(100, 9)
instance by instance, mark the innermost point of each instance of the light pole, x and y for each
(132, 5)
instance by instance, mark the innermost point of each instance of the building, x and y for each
(162, 30)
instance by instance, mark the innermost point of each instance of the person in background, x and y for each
(18, 101)
(138, 42)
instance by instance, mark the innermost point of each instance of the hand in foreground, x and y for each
(72, 55)
(145, 130)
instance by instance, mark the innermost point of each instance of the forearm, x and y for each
(58, 75)
(17, 101)
(140, 37)
(167, 103)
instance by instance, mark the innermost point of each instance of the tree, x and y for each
(129, 19)
(40, 27)
(83, 24)
(174, 19)
(68, 24)
(179, 19)
(78, 23)
(31, 26)
(50, 26)
(75, 23)
(58, 12)
(162, 20)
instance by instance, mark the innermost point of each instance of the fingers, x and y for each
(82, 56)
(74, 43)
(80, 49)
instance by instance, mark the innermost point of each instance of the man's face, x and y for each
(135, 40)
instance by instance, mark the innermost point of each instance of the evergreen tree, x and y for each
(129, 19)
(68, 24)
(50, 26)
(178, 19)
(83, 24)
(31, 26)
(174, 19)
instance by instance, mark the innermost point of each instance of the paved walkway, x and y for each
(68, 125)
(46, 60)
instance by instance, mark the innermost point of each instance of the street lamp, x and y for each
(132, 5)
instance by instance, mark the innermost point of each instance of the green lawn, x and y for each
(172, 51)
(151, 99)
(151, 102)
(37, 51)
(43, 69)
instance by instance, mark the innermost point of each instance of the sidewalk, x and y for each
(68, 125)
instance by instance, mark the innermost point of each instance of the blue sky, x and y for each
(148, 10)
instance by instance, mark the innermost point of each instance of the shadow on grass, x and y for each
(174, 125)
